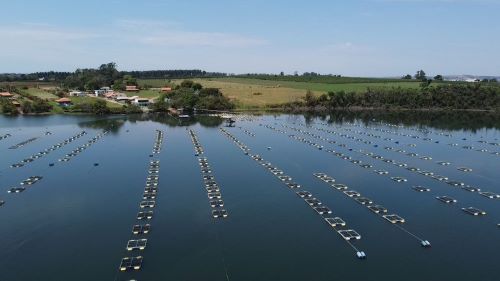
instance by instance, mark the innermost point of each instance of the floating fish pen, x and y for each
(363, 200)
(471, 188)
(322, 210)
(464, 169)
(377, 209)
(214, 195)
(339, 186)
(216, 203)
(139, 229)
(490, 195)
(352, 193)
(313, 202)
(421, 188)
(147, 204)
(145, 215)
(399, 179)
(285, 178)
(474, 211)
(446, 199)
(335, 222)
(219, 213)
(349, 234)
(16, 190)
(131, 263)
(443, 163)
(136, 244)
(439, 177)
(413, 169)
(394, 219)
(149, 196)
(381, 172)
(455, 183)
(292, 185)
(304, 194)
(366, 166)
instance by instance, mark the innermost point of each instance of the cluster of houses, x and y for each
(110, 94)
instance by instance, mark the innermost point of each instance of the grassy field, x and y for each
(247, 92)
(80, 100)
(41, 93)
(150, 94)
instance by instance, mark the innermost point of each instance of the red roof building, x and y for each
(6, 95)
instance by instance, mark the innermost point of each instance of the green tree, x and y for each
(438, 77)
(420, 75)
(407, 77)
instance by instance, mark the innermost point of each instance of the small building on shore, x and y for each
(77, 93)
(6, 95)
(166, 90)
(131, 89)
(141, 101)
(63, 102)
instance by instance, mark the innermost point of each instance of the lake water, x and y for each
(74, 223)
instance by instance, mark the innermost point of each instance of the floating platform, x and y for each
(377, 209)
(425, 243)
(139, 229)
(464, 169)
(16, 190)
(285, 178)
(131, 263)
(394, 218)
(149, 196)
(366, 166)
(446, 199)
(304, 194)
(421, 188)
(313, 202)
(145, 215)
(336, 221)
(363, 200)
(361, 255)
(322, 210)
(413, 169)
(147, 204)
(471, 188)
(137, 244)
(439, 177)
(352, 193)
(216, 203)
(349, 234)
(490, 195)
(399, 179)
(474, 211)
(214, 195)
(381, 172)
(455, 183)
(219, 213)
(292, 185)
(339, 186)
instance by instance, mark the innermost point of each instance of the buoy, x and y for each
(268, 148)
(96, 164)
(51, 164)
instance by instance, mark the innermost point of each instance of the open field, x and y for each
(41, 93)
(150, 94)
(260, 93)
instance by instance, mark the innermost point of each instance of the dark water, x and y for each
(74, 224)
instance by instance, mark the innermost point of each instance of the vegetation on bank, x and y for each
(189, 96)
(447, 96)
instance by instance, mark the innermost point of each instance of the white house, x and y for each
(77, 94)
(141, 102)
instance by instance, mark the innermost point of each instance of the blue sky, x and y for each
(354, 38)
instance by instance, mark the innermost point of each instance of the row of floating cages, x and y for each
(148, 202)
(48, 150)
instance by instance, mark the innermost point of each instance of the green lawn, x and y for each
(80, 100)
(150, 94)
(41, 93)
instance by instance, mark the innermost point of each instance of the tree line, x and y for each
(441, 96)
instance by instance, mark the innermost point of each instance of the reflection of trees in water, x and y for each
(446, 120)
(112, 124)
(162, 118)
